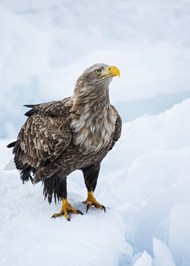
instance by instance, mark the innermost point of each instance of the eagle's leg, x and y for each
(66, 209)
(91, 201)
(90, 176)
(56, 186)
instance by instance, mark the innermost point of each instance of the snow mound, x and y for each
(145, 185)
(29, 237)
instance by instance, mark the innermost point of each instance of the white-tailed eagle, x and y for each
(77, 132)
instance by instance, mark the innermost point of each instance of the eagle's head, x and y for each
(96, 76)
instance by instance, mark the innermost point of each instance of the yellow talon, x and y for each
(65, 210)
(91, 201)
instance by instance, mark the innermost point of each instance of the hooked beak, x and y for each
(111, 71)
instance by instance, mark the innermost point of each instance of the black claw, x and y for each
(79, 212)
(87, 207)
(68, 219)
(53, 217)
(104, 208)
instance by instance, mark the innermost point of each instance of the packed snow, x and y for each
(144, 181)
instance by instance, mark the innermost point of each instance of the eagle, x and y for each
(75, 133)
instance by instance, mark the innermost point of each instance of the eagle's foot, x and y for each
(91, 201)
(65, 210)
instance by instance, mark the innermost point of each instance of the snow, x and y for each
(144, 260)
(46, 44)
(147, 200)
(144, 181)
(179, 232)
(28, 236)
(162, 254)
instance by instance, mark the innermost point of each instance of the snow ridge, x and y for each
(145, 187)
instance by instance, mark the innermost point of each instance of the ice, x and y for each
(144, 181)
(179, 233)
(171, 132)
(144, 260)
(162, 254)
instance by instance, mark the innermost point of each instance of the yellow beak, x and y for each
(112, 71)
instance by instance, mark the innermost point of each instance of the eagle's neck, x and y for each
(92, 119)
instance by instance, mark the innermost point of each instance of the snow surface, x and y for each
(144, 183)
(45, 44)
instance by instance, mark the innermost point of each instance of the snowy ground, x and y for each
(144, 182)
(145, 185)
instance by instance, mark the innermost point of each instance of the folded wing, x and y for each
(44, 136)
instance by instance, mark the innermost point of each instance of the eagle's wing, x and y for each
(54, 108)
(44, 136)
(118, 128)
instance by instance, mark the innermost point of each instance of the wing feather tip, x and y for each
(11, 145)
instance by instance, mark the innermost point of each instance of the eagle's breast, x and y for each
(93, 129)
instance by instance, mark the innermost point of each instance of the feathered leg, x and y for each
(56, 187)
(90, 176)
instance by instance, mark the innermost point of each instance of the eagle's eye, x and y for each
(98, 71)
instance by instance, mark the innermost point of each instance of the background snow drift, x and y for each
(144, 181)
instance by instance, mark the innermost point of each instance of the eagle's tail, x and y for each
(25, 175)
(25, 170)
(11, 145)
